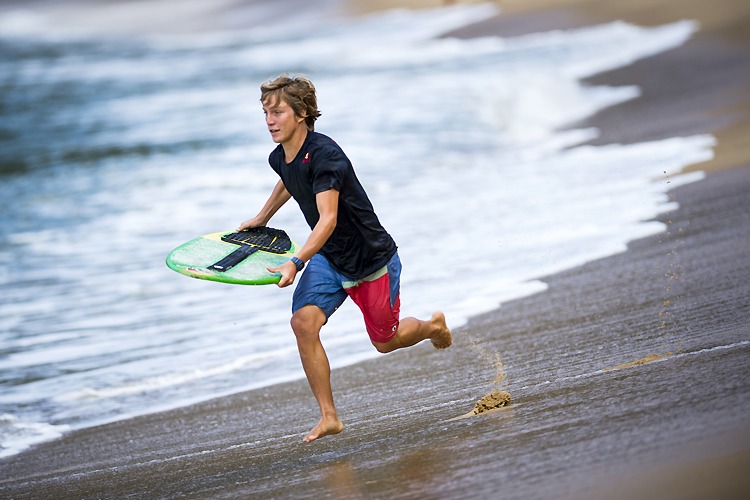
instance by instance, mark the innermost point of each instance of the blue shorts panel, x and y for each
(320, 285)
(394, 274)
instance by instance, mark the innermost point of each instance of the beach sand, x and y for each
(675, 427)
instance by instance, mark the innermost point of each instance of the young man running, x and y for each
(348, 253)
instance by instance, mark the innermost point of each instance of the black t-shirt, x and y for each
(359, 245)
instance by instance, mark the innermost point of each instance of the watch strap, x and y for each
(298, 262)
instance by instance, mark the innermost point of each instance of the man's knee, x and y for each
(385, 348)
(307, 322)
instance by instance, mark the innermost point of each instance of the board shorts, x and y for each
(377, 295)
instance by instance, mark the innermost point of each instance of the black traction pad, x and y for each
(250, 241)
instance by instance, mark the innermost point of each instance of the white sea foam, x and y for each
(18, 435)
(456, 141)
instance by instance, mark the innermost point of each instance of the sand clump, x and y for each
(497, 398)
(491, 401)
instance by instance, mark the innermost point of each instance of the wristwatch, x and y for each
(299, 263)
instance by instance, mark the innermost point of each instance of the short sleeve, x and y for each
(274, 160)
(330, 167)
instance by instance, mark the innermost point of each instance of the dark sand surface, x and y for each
(673, 428)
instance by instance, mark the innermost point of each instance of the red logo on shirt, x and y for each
(307, 158)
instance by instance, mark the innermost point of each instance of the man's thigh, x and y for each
(320, 285)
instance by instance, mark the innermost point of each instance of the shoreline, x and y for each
(210, 439)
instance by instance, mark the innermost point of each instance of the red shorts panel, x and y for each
(380, 311)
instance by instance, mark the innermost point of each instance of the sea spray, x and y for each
(675, 235)
(667, 324)
(489, 356)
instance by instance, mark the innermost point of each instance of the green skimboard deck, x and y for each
(234, 257)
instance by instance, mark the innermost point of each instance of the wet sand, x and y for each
(675, 427)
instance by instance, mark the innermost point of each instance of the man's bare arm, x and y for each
(278, 197)
(328, 208)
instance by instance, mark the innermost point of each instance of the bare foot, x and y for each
(442, 338)
(326, 427)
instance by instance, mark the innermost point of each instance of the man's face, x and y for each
(281, 120)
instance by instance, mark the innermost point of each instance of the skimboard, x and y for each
(234, 257)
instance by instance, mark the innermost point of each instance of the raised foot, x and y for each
(325, 427)
(442, 338)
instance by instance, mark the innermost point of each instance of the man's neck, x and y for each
(294, 144)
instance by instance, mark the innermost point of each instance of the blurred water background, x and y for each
(115, 150)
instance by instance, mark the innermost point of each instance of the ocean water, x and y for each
(113, 152)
